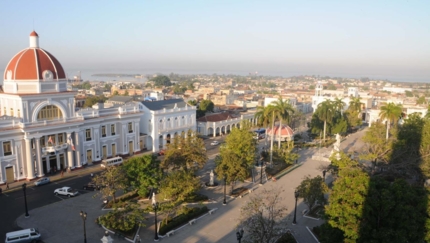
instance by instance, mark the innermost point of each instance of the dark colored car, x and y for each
(91, 186)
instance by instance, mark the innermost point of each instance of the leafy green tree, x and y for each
(263, 216)
(421, 100)
(312, 191)
(206, 106)
(143, 173)
(346, 202)
(178, 185)
(331, 87)
(325, 111)
(391, 113)
(237, 155)
(161, 80)
(425, 149)
(192, 102)
(393, 212)
(376, 147)
(115, 93)
(107, 87)
(92, 100)
(112, 179)
(185, 152)
(408, 93)
(353, 118)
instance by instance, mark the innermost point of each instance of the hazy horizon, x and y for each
(380, 40)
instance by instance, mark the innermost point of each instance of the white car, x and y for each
(215, 143)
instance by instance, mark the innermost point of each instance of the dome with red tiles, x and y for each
(286, 132)
(34, 64)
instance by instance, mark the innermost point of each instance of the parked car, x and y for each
(42, 181)
(66, 191)
(215, 143)
(91, 186)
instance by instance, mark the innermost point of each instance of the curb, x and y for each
(286, 171)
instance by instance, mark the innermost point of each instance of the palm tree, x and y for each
(262, 116)
(355, 104)
(283, 111)
(390, 112)
(325, 111)
(338, 105)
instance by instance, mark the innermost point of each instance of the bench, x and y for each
(212, 211)
(191, 222)
(170, 233)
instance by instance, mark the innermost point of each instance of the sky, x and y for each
(377, 39)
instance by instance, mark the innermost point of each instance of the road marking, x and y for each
(59, 197)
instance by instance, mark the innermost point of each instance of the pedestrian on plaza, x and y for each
(7, 186)
(62, 173)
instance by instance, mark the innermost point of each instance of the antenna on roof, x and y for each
(33, 24)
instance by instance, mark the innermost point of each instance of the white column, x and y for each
(39, 158)
(78, 150)
(29, 154)
(69, 152)
(164, 141)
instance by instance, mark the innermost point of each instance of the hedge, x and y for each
(181, 219)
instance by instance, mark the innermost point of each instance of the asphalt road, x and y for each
(12, 203)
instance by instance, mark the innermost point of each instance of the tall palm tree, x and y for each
(283, 111)
(338, 105)
(271, 109)
(355, 104)
(262, 116)
(325, 111)
(428, 112)
(390, 112)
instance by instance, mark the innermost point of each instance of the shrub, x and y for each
(181, 219)
(121, 201)
(123, 220)
(287, 238)
(196, 197)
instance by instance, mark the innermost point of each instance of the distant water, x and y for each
(86, 75)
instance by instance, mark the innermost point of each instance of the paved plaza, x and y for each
(60, 222)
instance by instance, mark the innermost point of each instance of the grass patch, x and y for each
(287, 238)
(181, 219)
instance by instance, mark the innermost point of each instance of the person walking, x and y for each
(7, 186)
(62, 173)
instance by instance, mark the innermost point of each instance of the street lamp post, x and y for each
(24, 188)
(296, 194)
(239, 235)
(84, 218)
(225, 192)
(324, 171)
(155, 207)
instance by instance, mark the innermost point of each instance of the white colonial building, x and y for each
(162, 120)
(222, 123)
(40, 129)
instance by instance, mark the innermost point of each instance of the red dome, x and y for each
(31, 63)
(286, 131)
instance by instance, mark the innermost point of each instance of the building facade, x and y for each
(42, 132)
(162, 120)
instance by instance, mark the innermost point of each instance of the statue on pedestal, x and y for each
(211, 180)
(336, 146)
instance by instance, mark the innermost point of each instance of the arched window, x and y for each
(49, 112)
